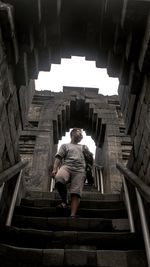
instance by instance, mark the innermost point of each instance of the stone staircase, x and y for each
(41, 235)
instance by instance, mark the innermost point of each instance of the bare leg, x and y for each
(62, 190)
(75, 202)
(62, 178)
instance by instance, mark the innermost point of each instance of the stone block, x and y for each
(2, 141)
(1, 166)
(4, 81)
(144, 54)
(146, 159)
(147, 95)
(11, 155)
(131, 105)
(10, 80)
(130, 160)
(121, 258)
(143, 116)
(75, 257)
(17, 115)
(53, 257)
(147, 174)
(137, 142)
(2, 54)
(16, 150)
(143, 91)
(125, 100)
(148, 143)
(141, 173)
(120, 92)
(5, 127)
(23, 103)
(139, 158)
(113, 130)
(146, 133)
(23, 255)
(34, 113)
(136, 258)
(66, 237)
(137, 114)
(112, 258)
(11, 119)
(148, 120)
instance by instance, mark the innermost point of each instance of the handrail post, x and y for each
(95, 176)
(145, 229)
(52, 185)
(101, 182)
(98, 181)
(99, 178)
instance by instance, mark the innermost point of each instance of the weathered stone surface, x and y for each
(80, 257)
(111, 258)
(53, 257)
(2, 143)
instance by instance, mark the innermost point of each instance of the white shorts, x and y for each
(76, 179)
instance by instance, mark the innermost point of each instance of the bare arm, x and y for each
(56, 166)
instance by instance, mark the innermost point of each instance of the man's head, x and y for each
(76, 135)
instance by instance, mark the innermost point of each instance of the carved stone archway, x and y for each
(56, 113)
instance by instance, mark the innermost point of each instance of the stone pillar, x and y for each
(108, 156)
(44, 150)
(114, 147)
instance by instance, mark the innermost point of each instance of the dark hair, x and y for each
(74, 130)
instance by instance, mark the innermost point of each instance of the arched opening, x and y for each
(87, 140)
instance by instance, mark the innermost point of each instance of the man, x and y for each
(69, 167)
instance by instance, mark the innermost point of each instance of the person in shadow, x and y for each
(69, 167)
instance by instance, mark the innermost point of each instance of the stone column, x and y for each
(44, 150)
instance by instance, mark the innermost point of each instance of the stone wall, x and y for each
(14, 105)
(139, 160)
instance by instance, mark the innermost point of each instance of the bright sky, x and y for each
(77, 72)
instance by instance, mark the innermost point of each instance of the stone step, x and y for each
(33, 238)
(90, 188)
(85, 213)
(90, 204)
(71, 224)
(86, 195)
(12, 256)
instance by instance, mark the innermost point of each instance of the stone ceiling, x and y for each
(41, 32)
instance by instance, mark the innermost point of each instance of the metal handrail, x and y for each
(5, 176)
(128, 206)
(135, 181)
(11, 172)
(14, 199)
(99, 178)
(146, 234)
(141, 189)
